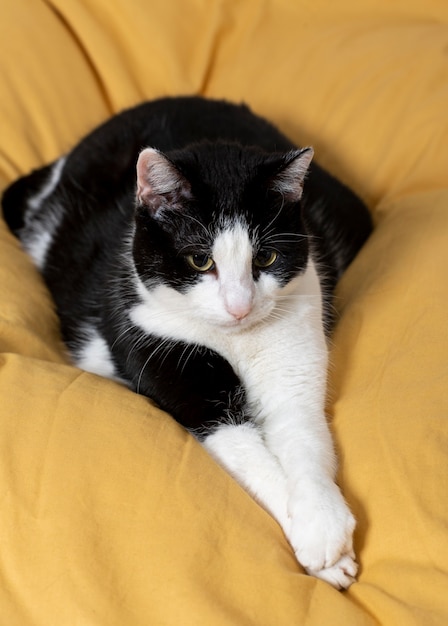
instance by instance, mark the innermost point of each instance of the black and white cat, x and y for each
(199, 270)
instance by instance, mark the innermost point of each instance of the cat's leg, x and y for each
(296, 431)
(286, 389)
(322, 526)
(240, 450)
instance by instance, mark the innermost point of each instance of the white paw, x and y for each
(321, 533)
(340, 575)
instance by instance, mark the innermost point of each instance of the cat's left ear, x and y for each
(159, 183)
(289, 180)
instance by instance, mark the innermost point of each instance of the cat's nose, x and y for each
(239, 310)
(238, 298)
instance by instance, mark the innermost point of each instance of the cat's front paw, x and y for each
(340, 575)
(321, 533)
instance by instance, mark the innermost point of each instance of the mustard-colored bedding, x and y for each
(111, 515)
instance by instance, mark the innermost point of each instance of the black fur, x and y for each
(227, 157)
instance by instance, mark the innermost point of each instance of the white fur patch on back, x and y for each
(37, 245)
(94, 355)
(35, 202)
(41, 221)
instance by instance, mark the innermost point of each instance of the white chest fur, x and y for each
(284, 456)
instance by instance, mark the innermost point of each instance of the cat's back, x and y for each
(98, 174)
(95, 183)
(167, 124)
(174, 122)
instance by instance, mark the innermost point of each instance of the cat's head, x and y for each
(221, 225)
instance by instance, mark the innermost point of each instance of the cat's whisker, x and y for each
(122, 335)
(288, 296)
(191, 350)
(275, 241)
(279, 313)
(137, 389)
(266, 229)
(166, 345)
(139, 343)
(269, 236)
(207, 231)
(295, 296)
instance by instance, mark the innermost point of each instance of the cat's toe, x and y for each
(321, 531)
(340, 575)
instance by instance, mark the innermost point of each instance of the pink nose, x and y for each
(239, 310)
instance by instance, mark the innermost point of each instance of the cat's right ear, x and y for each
(159, 183)
(291, 177)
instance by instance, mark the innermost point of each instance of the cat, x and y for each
(191, 250)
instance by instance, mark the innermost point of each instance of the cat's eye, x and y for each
(265, 258)
(201, 262)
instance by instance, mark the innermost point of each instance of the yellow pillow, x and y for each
(112, 514)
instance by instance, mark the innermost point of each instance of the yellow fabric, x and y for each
(110, 513)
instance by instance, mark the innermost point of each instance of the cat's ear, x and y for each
(289, 180)
(159, 183)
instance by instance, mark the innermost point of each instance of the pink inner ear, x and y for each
(152, 169)
(289, 182)
(157, 176)
(143, 186)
